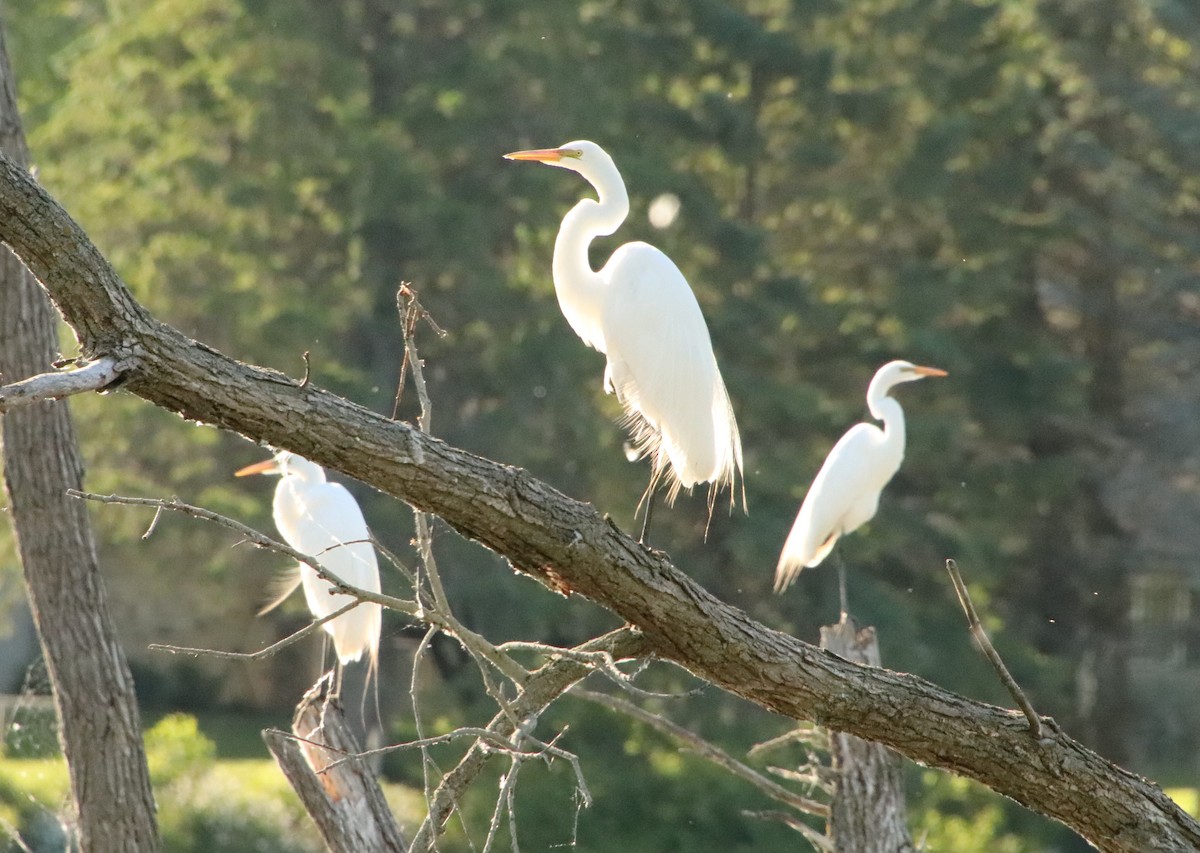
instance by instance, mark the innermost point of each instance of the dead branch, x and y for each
(92, 376)
(259, 540)
(543, 686)
(706, 750)
(343, 798)
(989, 651)
(270, 650)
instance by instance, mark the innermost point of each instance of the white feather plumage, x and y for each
(845, 493)
(640, 312)
(322, 519)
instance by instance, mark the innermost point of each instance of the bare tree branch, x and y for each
(989, 651)
(54, 386)
(570, 547)
(706, 750)
(544, 685)
(270, 650)
(259, 540)
(818, 840)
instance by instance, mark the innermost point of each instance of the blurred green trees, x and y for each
(1004, 189)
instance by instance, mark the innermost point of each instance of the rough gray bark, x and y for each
(93, 689)
(345, 801)
(867, 812)
(570, 547)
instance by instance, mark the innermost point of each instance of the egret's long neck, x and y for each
(885, 408)
(580, 289)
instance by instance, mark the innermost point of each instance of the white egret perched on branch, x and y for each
(640, 312)
(322, 520)
(845, 493)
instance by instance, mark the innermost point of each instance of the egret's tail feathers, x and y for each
(357, 631)
(685, 454)
(799, 555)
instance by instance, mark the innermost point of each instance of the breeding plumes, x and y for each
(322, 520)
(641, 313)
(845, 493)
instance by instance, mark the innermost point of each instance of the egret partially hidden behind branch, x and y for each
(640, 312)
(323, 520)
(845, 493)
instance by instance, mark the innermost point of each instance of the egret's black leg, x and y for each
(841, 570)
(649, 501)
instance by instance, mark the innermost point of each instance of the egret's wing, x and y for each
(850, 474)
(282, 585)
(662, 367)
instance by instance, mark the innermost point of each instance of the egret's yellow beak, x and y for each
(267, 466)
(929, 371)
(541, 155)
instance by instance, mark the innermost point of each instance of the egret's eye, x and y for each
(571, 152)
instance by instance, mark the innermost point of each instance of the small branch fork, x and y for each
(707, 751)
(989, 651)
(92, 376)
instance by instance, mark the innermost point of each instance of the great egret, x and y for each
(322, 520)
(845, 493)
(640, 312)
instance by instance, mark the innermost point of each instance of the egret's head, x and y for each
(895, 372)
(286, 464)
(582, 156)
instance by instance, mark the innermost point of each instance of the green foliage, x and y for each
(235, 806)
(32, 792)
(958, 815)
(175, 748)
(229, 805)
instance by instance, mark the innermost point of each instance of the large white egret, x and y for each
(322, 520)
(640, 312)
(845, 493)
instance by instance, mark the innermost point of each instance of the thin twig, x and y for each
(603, 663)
(989, 651)
(541, 689)
(93, 376)
(507, 781)
(706, 750)
(499, 742)
(14, 836)
(259, 540)
(158, 511)
(821, 842)
(261, 653)
(427, 763)
(475, 644)
(804, 733)
(307, 371)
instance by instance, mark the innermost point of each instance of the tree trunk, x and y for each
(345, 801)
(866, 814)
(93, 689)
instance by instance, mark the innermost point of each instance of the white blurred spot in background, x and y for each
(663, 210)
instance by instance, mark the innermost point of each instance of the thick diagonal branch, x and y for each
(569, 546)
